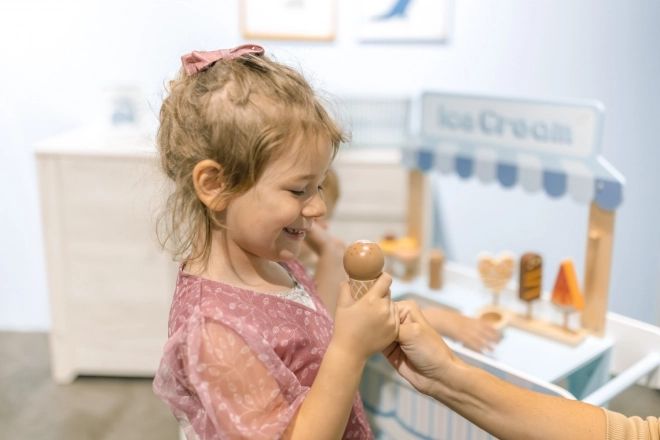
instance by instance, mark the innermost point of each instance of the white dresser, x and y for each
(110, 287)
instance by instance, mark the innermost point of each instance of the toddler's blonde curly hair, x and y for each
(239, 113)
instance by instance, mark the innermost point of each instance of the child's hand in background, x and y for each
(368, 325)
(327, 255)
(473, 333)
(322, 242)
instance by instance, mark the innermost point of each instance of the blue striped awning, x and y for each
(584, 180)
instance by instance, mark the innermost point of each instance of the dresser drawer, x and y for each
(110, 199)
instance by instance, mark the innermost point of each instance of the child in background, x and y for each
(474, 333)
(252, 352)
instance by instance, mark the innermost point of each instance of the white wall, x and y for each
(55, 57)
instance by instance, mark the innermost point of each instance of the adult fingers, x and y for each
(404, 311)
(414, 313)
(411, 334)
(395, 316)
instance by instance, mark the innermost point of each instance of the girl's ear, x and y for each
(207, 178)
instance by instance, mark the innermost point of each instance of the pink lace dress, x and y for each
(239, 363)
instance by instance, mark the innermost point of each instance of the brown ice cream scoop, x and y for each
(364, 260)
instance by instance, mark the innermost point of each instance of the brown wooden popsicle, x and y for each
(531, 277)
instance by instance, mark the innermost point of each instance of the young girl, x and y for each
(252, 352)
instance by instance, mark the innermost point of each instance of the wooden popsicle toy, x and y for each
(495, 272)
(566, 294)
(531, 277)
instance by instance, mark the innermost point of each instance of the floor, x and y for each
(32, 407)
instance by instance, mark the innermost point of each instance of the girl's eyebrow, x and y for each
(309, 176)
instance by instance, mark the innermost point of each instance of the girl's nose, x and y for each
(315, 207)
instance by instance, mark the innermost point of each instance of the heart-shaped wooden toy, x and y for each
(495, 272)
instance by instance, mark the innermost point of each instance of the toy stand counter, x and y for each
(545, 147)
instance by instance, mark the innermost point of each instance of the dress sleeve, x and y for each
(620, 427)
(243, 393)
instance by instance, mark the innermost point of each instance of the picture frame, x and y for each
(306, 20)
(403, 20)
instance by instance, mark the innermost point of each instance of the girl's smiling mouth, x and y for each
(297, 234)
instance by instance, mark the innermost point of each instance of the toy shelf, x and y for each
(551, 361)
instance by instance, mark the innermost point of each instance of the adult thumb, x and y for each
(410, 333)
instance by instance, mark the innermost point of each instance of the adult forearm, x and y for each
(510, 412)
(324, 413)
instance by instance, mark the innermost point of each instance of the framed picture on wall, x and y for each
(403, 20)
(288, 19)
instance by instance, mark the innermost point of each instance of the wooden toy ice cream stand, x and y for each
(545, 147)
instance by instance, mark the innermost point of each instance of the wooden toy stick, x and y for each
(597, 268)
(436, 261)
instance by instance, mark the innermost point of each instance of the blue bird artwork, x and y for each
(398, 10)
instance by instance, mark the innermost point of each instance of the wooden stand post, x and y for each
(600, 237)
(418, 222)
(416, 201)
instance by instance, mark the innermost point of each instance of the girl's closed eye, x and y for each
(301, 192)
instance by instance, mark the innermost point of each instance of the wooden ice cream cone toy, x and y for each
(363, 262)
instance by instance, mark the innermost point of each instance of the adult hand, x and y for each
(504, 410)
(419, 354)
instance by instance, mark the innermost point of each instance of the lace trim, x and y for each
(297, 293)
